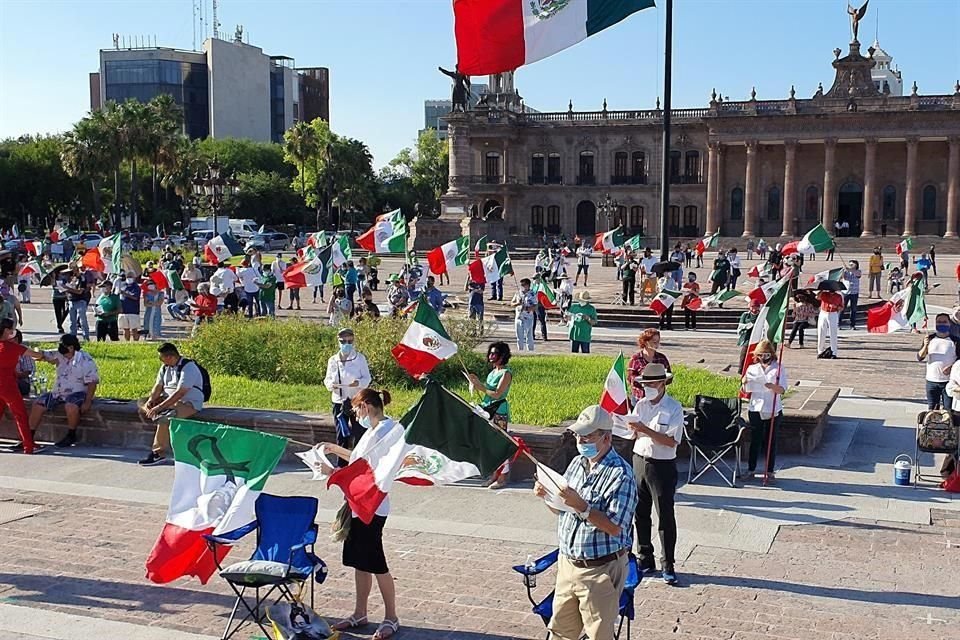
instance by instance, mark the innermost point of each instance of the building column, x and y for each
(712, 187)
(506, 163)
(910, 206)
(869, 187)
(953, 187)
(719, 193)
(789, 187)
(750, 193)
(829, 190)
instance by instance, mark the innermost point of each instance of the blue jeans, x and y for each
(268, 308)
(496, 290)
(576, 346)
(351, 291)
(937, 397)
(152, 321)
(851, 302)
(252, 302)
(78, 316)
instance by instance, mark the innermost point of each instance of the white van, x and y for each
(243, 228)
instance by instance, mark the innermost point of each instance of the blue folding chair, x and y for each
(544, 608)
(284, 557)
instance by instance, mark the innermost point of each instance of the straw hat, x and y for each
(584, 296)
(654, 372)
(764, 346)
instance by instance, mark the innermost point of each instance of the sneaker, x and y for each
(67, 441)
(669, 577)
(152, 459)
(17, 448)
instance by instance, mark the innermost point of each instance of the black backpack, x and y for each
(207, 388)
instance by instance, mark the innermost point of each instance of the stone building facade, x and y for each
(854, 153)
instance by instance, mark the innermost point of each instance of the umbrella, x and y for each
(665, 267)
(130, 265)
(831, 285)
(48, 279)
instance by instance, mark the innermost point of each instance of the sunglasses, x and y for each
(345, 341)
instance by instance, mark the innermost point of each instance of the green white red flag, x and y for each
(480, 247)
(447, 256)
(340, 251)
(815, 241)
(313, 270)
(905, 245)
(633, 244)
(904, 308)
(614, 396)
(425, 344)
(387, 235)
(221, 248)
(708, 242)
(545, 295)
(608, 242)
(32, 267)
(317, 239)
(219, 472)
(823, 276)
(489, 269)
(763, 292)
(663, 301)
(770, 319)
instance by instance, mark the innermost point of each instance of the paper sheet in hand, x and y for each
(756, 382)
(621, 426)
(316, 459)
(550, 480)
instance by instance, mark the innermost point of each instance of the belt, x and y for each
(655, 460)
(597, 562)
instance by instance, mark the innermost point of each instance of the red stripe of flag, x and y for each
(359, 487)
(181, 552)
(477, 274)
(414, 361)
(437, 261)
(489, 36)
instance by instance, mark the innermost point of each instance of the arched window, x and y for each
(586, 174)
(636, 219)
(889, 202)
(929, 202)
(691, 222)
(691, 167)
(773, 203)
(811, 203)
(736, 204)
(537, 168)
(621, 217)
(673, 219)
(536, 219)
(491, 168)
(553, 219)
(619, 168)
(639, 168)
(675, 158)
(554, 175)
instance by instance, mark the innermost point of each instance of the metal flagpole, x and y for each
(773, 417)
(665, 159)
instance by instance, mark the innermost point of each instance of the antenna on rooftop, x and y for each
(216, 22)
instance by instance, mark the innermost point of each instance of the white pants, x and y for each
(827, 325)
(524, 326)
(25, 294)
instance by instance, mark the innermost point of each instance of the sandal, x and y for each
(350, 623)
(387, 629)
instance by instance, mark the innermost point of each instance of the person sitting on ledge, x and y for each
(75, 386)
(177, 393)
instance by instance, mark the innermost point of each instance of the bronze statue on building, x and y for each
(856, 15)
(461, 88)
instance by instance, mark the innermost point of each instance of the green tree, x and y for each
(164, 131)
(266, 196)
(243, 156)
(427, 166)
(300, 146)
(34, 188)
(86, 155)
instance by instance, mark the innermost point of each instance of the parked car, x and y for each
(88, 239)
(268, 242)
(201, 238)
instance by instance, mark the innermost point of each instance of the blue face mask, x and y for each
(365, 422)
(943, 328)
(588, 450)
(346, 348)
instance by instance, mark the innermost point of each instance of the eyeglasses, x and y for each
(590, 437)
(345, 341)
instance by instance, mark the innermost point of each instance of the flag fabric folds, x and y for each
(633, 244)
(708, 242)
(815, 241)
(663, 301)
(447, 256)
(387, 235)
(480, 247)
(763, 292)
(340, 251)
(905, 245)
(823, 276)
(309, 272)
(32, 267)
(425, 344)
(489, 269)
(545, 295)
(905, 307)
(91, 260)
(769, 322)
(219, 472)
(494, 36)
(614, 396)
(608, 242)
(221, 248)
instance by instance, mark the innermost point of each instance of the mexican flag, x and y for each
(815, 241)
(608, 242)
(111, 254)
(545, 295)
(387, 235)
(614, 396)
(33, 247)
(91, 260)
(762, 293)
(708, 242)
(160, 279)
(714, 300)
(762, 270)
(823, 276)
(173, 279)
(32, 267)
(447, 256)
(221, 248)
(904, 308)
(663, 301)
(425, 344)
(769, 322)
(340, 251)
(905, 245)
(317, 239)
(494, 36)
(219, 472)
(309, 272)
(633, 244)
(489, 269)
(480, 247)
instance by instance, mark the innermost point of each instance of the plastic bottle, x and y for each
(530, 578)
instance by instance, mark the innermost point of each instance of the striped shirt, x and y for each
(609, 487)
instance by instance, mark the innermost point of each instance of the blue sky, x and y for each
(383, 54)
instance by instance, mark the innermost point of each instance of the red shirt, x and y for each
(830, 301)
(10, 353)
(206, 305)
(639, 362)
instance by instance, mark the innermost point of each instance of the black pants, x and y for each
(629, 291)
(760, 436)
(107, 328)
(356, 431)
(60, 312)
(689, 319)
(666, 319)
(656, 486)
(540, 319)
(797, 331)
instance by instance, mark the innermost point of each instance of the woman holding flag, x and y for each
(765, 381)
(495, 389)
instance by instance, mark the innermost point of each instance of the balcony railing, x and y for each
(587, 180)
(628, 179)
(686, 179)
(485, 179)
(545, 180)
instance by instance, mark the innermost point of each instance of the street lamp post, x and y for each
(607, 208)
(211, 188)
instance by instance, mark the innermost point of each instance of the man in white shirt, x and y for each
(656, 423)
(250, 279)
(75, 387)
(347, 373)
(584, 251)
(277, 269)
(223, 281)
(177, 393)
(939, 350)
(524, 303)
(649, 278)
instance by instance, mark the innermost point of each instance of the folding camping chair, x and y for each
(286, 533)
(714, 429)
(544, 608)
(941, 442)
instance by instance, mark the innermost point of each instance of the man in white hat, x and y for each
(657, 424)
(583, 316)
(594, 532)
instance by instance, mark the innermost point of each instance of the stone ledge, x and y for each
(117, 423)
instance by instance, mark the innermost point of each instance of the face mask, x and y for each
(765, 358)
(365, 422)
(62, 350)
(943, 328)
(346, 348)
(651, 393)
(131, 280)
(588, 450)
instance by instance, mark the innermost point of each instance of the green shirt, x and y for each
(268, 290)
(492, 383)
(580, 329)
(109, 307)
(745, 327)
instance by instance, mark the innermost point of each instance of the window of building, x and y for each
(586, 175)
(554, 175)
(491, 167)
(536, 219)
(620, 164)
(675, 158)
(691, 222)
(773, 203)
(889, 202)
(691, 167)
(620, 218)
(553, 219)
(636, 219)
(811, 203)
(639, 164)
(929, 202)
(736, 204)
(673, 219)
(537, 167)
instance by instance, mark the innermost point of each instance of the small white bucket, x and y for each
(902, 467)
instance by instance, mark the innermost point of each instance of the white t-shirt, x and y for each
(665, 417)
(647, 264)
(941, 353)
(249, 277)
(228, 280)
(761, 398)
(387, 436)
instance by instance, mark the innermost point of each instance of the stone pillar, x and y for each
(712, 188)
(719, 193)
(953, 187)
(506, 163)
(750, 193)
(453, 145)
(910, 206)
(789, 187)
(869, 187)
(829, 188)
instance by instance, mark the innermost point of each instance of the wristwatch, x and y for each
(585, 514)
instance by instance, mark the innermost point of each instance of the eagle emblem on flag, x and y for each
(431, 343)
(545, 9)
(426, 464)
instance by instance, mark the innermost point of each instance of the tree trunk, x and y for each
(303, 189)
(154, 186)
(96, 197)
(118, 219)
(133, 194)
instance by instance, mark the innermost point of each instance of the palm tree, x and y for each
(302, 145)
(135, 122)
(165, 129)
(86, 155)
(178, 162)
(105, 127)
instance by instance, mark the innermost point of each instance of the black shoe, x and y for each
(60, 330)
(152, 459)
(68, 440)
(17, 448)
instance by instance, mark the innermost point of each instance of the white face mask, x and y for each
(651, 393)
(131, 280)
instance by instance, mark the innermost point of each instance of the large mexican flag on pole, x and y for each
(904, 308)
(494, 36)
(769, 322)
(608, 242)
(425, 344)
(387, 235)
(815, 241)
(219, 472)
(447, 256)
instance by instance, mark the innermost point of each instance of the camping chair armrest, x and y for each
(230, 537)
(309, 538)
(539, 565)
